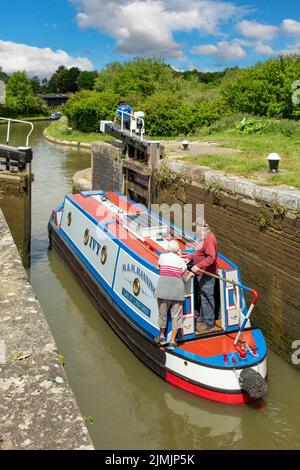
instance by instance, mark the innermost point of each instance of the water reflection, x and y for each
(206, 428)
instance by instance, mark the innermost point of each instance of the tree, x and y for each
(266, 89)
(86, 80)
(20, 98)
(167, 115)
(137, 78)
(64, 80)
(36, 85)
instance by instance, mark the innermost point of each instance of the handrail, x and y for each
(242, 286)
(9, 120)
(132, 116)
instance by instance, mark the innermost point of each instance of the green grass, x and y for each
(34, 118)
(251, 162)
(30, 119)
(59, 130)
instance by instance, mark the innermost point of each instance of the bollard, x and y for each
(273, 160)
(185, 144)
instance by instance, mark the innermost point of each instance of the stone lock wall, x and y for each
(265, 244)
(15, 202)
(107, 166)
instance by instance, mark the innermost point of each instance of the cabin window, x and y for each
(69, 219)
(136, 287)
(104, 255)
(86, 237)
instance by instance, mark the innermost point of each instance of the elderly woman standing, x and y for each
(170, 292)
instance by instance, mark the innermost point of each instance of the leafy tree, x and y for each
(64, 80)
(136, 79)
(203, 77)
(20, 98)
(36, 85)
(266, 89)
(86, 80)
(167, 115)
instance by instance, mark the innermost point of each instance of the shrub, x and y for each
(167, 114)
(86, 109)
(206, 114)
(266, 89)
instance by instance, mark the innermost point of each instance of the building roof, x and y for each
(50, 96)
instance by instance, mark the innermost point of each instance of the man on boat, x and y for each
(170, 292)
(123, 112)
(205, 259)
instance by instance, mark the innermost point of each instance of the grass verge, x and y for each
(254, 148)
(59, 130)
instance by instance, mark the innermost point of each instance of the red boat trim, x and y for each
(221, 397)
(255, 296)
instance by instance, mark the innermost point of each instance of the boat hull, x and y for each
(159, 360)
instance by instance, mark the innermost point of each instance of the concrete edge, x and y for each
(288, 197)
(37, 406)
(82, 180)
(82, 145)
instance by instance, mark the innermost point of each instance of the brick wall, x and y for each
(106, 167)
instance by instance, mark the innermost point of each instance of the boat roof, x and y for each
(134, 225)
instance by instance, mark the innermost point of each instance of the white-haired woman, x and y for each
(170, 292)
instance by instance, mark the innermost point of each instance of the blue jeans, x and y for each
(207, 308)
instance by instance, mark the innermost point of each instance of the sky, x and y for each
(208, 35)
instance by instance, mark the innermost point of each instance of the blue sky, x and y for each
(210, 35)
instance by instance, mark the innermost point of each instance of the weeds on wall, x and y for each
(168, 178)
(263, 221)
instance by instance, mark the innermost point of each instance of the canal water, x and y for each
(126, 405)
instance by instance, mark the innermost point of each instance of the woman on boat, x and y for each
(170, 292)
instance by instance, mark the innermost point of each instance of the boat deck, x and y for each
(111, 218)
(216, 345)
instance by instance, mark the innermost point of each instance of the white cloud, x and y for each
(146, 27)
(37, 61)
(258, 31)
(264, 49)
(226, 50)
(291, 27)
(291, 49)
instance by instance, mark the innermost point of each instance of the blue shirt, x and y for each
(125, 108)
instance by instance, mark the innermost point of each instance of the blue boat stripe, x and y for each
(91, 194)
(58, 208)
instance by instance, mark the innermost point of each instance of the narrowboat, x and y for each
(112, 244)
